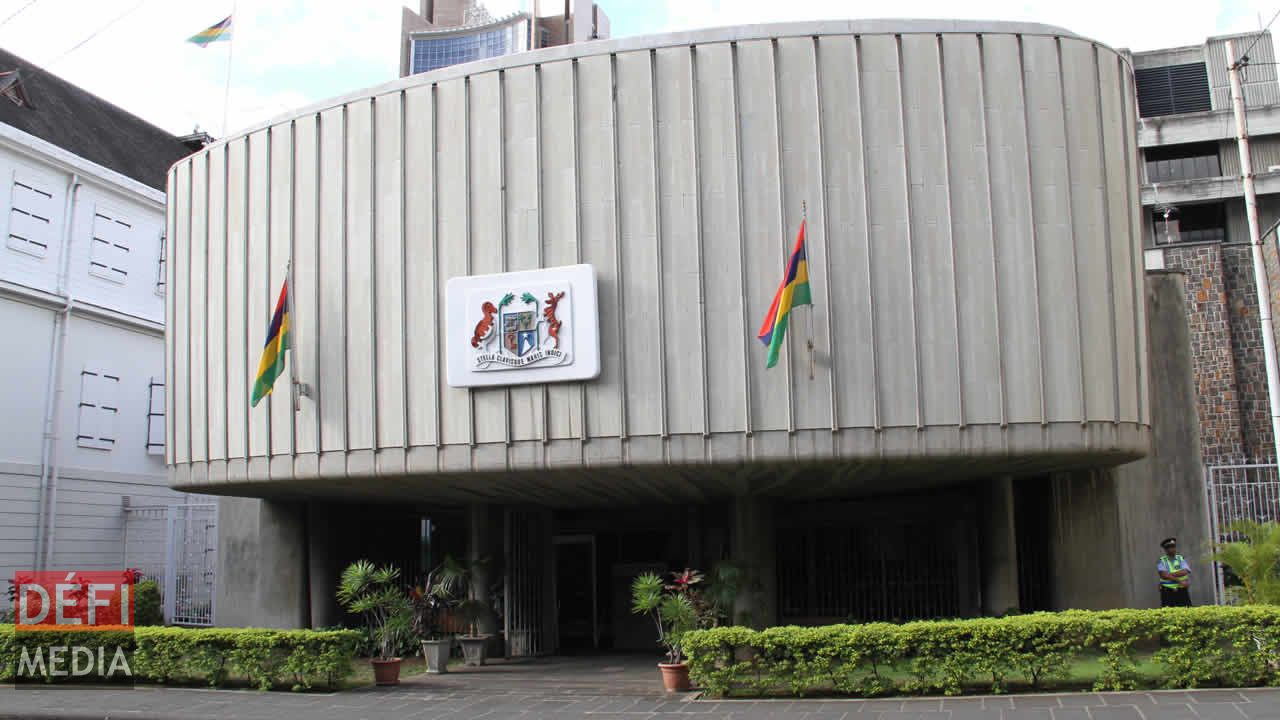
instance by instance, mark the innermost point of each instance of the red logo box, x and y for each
(88, 600)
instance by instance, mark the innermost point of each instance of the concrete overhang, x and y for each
(1204, 126)
(1207, 189)
(612, 484)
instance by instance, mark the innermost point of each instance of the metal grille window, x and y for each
(1172, 89)
(161, 283)
(31, 213)
(155, 417)
(1182, 162)
(867, 573)
(99, 406)
(109, 256)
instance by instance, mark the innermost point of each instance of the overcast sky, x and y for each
(288, 53)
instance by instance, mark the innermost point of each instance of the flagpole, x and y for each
(231, 48)
(294, 395)
(804, 221)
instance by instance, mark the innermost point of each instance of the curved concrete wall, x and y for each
(973, 239)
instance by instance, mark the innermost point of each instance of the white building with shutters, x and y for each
(82, 255)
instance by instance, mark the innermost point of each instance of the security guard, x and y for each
(1175, 576)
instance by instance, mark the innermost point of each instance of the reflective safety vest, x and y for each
(1174, 565)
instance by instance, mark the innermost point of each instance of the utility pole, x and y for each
(1261, 282)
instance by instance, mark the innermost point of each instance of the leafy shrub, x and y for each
(1224, 646)
(146, 604)
(1254, 560)
(267, 658)
(375, 594)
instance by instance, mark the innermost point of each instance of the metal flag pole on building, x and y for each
(294, 391)
(226, 90)
(1261, 282)
(220, 32)
(804, 220)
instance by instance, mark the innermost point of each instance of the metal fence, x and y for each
(1238, 492)
(177, 546)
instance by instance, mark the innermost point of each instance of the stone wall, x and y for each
(1247, 352)
(1208, 320)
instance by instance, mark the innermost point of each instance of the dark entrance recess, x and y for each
(899, 558)
(619, 544)
(411, 540)
(576, 587)
(1032, 504)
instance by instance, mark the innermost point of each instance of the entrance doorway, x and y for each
(576, 602)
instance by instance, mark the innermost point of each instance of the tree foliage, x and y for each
(1255, 559)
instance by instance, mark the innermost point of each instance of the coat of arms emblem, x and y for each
(518, 330)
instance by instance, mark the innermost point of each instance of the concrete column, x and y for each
(753, 545)
(481, 558)
(323, 570)
(1164, 494)
(262, 567)
(1084, 536)
(998, 547)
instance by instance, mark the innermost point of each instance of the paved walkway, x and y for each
(605, 688)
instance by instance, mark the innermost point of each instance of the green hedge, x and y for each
(265, 658)
(1224, 646)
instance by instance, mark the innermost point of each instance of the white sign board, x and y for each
(516, 328)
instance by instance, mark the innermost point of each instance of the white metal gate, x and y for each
(1238, 492)
(177, 546)
(527, 547)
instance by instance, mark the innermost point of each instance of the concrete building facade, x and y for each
(972, 430)
(82, 287)
(449, 32)
(1194, 221)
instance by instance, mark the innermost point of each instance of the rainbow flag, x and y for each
(271, 366)
(212, 34)
(793, 291)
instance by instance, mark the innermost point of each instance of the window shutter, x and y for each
(109, 256)
(155, 417)
(31, 213)
(99, 407)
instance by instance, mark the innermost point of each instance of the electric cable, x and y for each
(96, 33)
(17, 12)
(1256, 38)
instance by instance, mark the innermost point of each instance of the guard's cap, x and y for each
(1168, 541)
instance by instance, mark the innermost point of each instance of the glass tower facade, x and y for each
(432, 51)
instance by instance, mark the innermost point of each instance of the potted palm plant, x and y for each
(475, 645)
(375, 594)
(672, 608)
(439, 591)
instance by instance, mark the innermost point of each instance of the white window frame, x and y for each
(108, 256)
(99, 407)
(36, 246)
(155, 416)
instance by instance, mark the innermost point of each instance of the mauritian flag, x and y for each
(272, 364)
(214, 33)
(793, 291)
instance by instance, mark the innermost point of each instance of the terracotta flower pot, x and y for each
(386, 672)
(675, 676)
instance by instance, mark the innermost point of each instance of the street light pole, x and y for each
(1261, 282)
